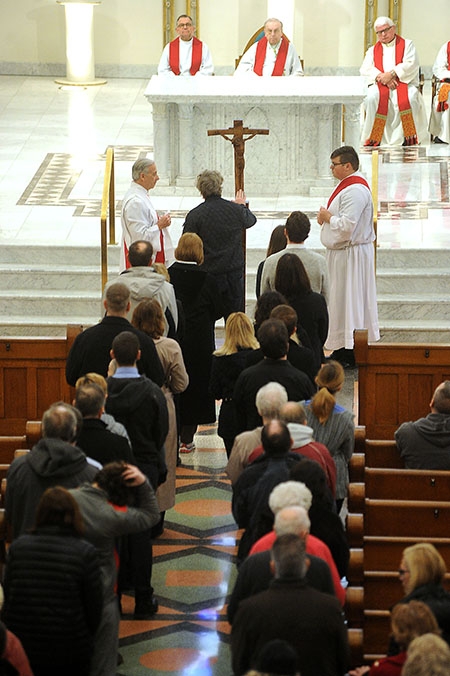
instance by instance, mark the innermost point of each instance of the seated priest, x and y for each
(186, 55)
(273, 54)
(394, 107)
(439, 125)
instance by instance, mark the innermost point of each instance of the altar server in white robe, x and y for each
(139, 218)
(394, 108)
(439, 125)
(186, 55)
(272, 55)
(348, 234)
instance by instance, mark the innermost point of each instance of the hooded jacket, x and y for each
(51, 462)
(141, 407)
(144, 282)
(425, 443)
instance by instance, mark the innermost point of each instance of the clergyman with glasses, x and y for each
(186, 55)
(394, 108)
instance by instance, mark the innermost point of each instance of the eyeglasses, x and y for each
(184, 25)
(402, 572)
(336, 164)
(384, 30)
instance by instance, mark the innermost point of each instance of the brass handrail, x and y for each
(108, 206)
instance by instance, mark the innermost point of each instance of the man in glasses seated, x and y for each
(394, 108)
(186, 55)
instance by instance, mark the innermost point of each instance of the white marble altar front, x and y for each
(307, 118)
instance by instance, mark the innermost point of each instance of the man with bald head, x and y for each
(272, 55)
(425, 443)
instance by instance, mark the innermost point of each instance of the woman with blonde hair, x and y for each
(202, 306)
(148, 317)
(228, 362)
(332, 424)
(422, 572)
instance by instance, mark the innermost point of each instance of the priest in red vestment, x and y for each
(186, 55)
(272, 55)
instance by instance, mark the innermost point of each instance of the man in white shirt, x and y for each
(139, 218)
(439, 125)
(394, 107)
(273, 54)
(186, 55)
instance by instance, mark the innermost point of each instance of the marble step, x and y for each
(423, 331)
(417, 281)
(53, 326)
(411, 308)
(40, 303)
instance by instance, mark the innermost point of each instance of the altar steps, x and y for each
(42, 289)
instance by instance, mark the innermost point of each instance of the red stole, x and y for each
(409, 128)
(161, 256)
(350, 180)
(444, 89)
(260, 56)
(125, 249)
(174, 56)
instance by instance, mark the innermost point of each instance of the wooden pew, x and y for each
(32, 376)
(8, 444)
(396, 381)
(388, 484)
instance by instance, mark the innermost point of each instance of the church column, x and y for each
(186, 145)
(161, 141)
(326, 139)
(352, 125)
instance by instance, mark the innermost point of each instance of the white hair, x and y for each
(290, 494)
(141, 166)
(291, 520)
(269, 399)
(382, 20)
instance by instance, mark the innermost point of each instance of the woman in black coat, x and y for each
(291, 280)
(53, 589)
(228, 362)
(202, 305)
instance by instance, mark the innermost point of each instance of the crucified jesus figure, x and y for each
(238, 135)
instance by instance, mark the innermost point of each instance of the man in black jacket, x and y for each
(141, 407)
(274, 341)
(95, 439)
(90, 351)
(312, 622)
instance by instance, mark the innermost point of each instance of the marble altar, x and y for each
(307, 118)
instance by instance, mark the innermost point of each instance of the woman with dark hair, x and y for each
(148, 317)
(264, 305)
(325, 523)
(53, 590)
(277, 243)
(228, 362)
(291, 279)
(332, 425)
(202, 305)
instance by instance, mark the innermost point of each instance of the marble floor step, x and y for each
(51, 277)
(56, 255)
(50, 325)
(42, 302)
(421, 331)
(412, 308)
(417, 281)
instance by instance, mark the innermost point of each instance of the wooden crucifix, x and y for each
(239, 135)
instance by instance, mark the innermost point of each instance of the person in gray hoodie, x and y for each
(425, 443)
(144, 282)
(54, 461)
